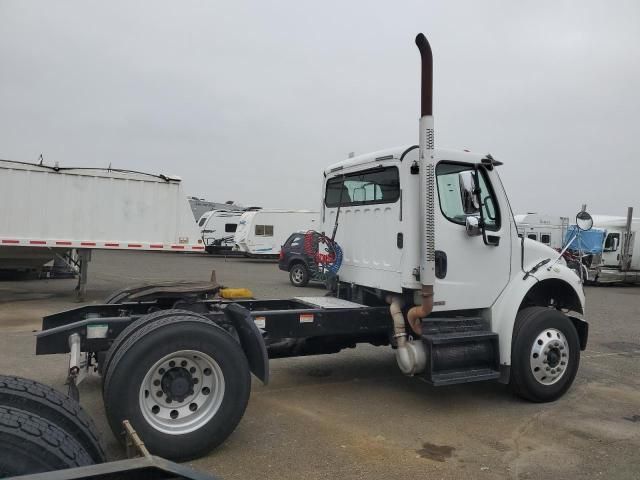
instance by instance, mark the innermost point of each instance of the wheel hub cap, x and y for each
(549, 357)
(181, 392)
(177, 383)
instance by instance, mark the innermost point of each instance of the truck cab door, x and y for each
(478, 266)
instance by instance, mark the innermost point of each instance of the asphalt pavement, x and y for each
(353, 415)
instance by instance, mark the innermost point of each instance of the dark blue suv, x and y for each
(293, 260)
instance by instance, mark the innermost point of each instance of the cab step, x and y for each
(460, 352)
(463, 376)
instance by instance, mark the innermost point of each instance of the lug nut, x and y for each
(183, 363)
(159, 393)
(172, 364)
(156, 382)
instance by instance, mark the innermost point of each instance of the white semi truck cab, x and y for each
(431, 232)
(421, 254)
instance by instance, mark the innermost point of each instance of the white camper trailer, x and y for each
(547, 229)
(203, 219)
(219, 229)
(262, 232)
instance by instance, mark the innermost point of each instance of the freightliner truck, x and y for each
(431, 265)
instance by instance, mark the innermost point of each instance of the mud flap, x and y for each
(582, 327)
(251, 341)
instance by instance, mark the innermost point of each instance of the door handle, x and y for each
(441, 264)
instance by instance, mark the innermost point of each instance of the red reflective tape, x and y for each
(88, 244)
(61, 242)
(37, 242)
(10, 241)
(156, 245)
(134, 245)
(111, 244)
(197, 248)
(177, 247)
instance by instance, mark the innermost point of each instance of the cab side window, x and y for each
(455, 183)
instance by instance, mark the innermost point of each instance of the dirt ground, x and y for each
(353, 415)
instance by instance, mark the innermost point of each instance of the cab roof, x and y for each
(391, 154)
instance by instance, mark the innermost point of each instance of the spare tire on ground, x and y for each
(32, 444)
(55, 407)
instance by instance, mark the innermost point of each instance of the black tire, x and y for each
(158, 340)
(531, 323)
(50, 404)
(299, 274)
(134, 327)
(32, 444)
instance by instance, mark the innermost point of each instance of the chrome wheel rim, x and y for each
(297, 274)
(181, 392)
(549, 358)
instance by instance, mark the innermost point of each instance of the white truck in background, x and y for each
(547, 229)
(51, 210)
(614, 255)
(261, 233)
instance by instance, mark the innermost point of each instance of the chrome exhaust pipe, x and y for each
(427, 187)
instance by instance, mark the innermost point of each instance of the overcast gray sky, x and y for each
(249, 101)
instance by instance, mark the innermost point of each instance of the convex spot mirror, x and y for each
(584, 221)
(470, 202)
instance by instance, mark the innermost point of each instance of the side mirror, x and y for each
(584, 221)
(470, 201)
(472, 224)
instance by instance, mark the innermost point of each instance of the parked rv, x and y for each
(203, 219)
(219, 228)
(548, 229)
(263, 232)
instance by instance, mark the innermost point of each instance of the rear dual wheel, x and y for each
(182, 382)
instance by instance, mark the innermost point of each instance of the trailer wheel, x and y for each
(298, 275)
(134, 327)
(32, 444)
(545, 354)
(50, 404)
(182, 382)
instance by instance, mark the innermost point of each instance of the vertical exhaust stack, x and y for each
(427, 185)
(411, 355)
(625, 257)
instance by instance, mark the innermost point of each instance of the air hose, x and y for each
(323, 263)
